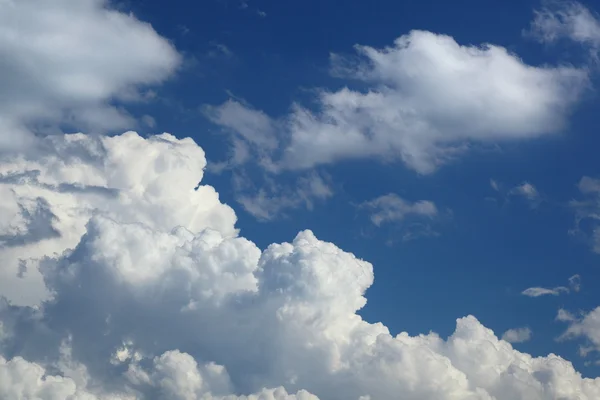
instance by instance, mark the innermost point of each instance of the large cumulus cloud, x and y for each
(152, 294)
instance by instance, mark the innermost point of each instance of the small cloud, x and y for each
(392, 208)
(564, 316)
(261, 13)
(566, 20)
(273, 200)
(526, 190)
(494, 185)
(574, 285)
(587, 213)
(518, 335)
(539, 291)
(149, 121)
(220, 50)
(183, 29)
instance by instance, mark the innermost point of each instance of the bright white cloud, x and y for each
(428, 98)
(156, 303)
(45, 201)
(517, 335)
(65, 61)
(567, 20)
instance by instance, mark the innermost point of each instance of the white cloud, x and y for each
(45, 201)
(567, 20)
(392, 208)
(64, 62)
(153, 303)
(587, 326)
(517, 335)
(574, 285)
(428, 98)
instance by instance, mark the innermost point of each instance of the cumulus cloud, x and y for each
(517, 335)
(567, 20)
(416, 108)
(574, 285)
(154, 295)
(45, 201)
(70, 63)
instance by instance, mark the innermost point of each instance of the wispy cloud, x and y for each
(567, 20)
(574, 285)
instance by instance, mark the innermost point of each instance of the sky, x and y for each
(299, 200)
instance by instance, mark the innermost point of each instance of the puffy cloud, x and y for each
(517, 335)
(155, 295)
(65, 62)
(46, 200)
(567, 20)
(416, 108)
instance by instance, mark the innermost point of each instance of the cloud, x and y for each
(567, 20)
(587, 326)
(587, 212)
(538, 291)
(46, 201)
(526, 190)
(273, 200)
(574, 285)
(155, 295)
(517, 335)
(70, 63)
(392, 208)
(415, 108)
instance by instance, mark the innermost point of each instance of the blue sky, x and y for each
(450, 146)
(489, 248)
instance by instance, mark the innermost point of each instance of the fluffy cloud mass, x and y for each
(122, 277)
(65, 61)
(428, 99)
(149, 291)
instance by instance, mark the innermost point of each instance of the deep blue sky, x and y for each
(488, 251)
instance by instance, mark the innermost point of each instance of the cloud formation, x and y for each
(517, 335)
(154, 294)
(567, 20)
(415, 110)
(574, 285)
(70, 63)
